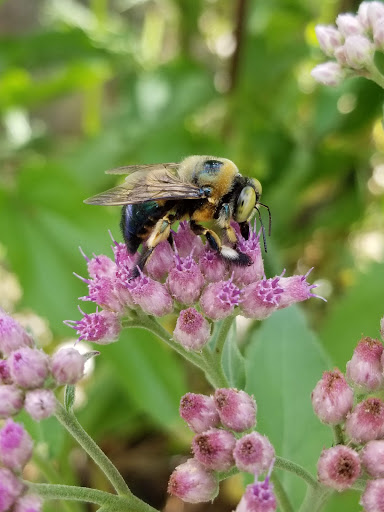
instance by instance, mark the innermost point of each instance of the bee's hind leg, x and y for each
(227, 253)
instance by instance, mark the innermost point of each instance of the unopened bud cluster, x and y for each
(352, 44)
(187, 277)
(217, 422)
(349, 402)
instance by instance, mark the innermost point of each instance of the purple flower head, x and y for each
(258, 497)
(28, 503)
(161, 261)
(16, 445)
(373, 497)
(192, 330)
(366, 421)
(186, 241)
(29, 367)
(185, 280)
(254, 453)
(10, 488)
(243, 276)
(193, 483)
(365, 369)
(212, 265)
(237, 409)
(218, 300)
(296, 289)
(122, 278)
(67, 366)
(338, 467)
(5, 374)
(214, 449)
(12, 335)
(102, 291)
(101, 327)
(332, 398)
(11, 400)
(99, 266)
(150, 295)
(40, 403)
(199, 411)
(122, 257)
(372, 458)
(262, 298)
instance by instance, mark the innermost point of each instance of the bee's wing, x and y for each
(143, 185)
(129, 169)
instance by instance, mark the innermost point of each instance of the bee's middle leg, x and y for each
(161, 232)
(227, 253)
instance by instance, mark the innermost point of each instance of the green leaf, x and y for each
(283, 363)
(69, 397)
(233, 360)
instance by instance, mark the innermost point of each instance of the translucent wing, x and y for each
(129, 169)
(148, 183)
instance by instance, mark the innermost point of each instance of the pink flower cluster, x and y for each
(217, 420)
(188, 276)
(28, 375)
(348, 401)
(352, 44)
(16, 447)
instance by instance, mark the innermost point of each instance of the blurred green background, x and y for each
(90, 85)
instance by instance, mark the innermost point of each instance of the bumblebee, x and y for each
(199, 189)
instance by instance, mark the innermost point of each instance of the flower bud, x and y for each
(161, 261)
(212, 266)
(237, 409)
(372, 458)
(214, 449)
(365, 369)
(185, 280)
(152, 296)
(40, 403)
(332, 398)
(349, 25)
(186, 241)
(192, 330)
(340, 56)
(375, 12)
(358, 51)
(122, 257)
(254, 453)
(372, 498)
(16, 446)
(218, 300)
(199, 411)
(258, 497)
(262, 298)
(244, 275)
(296, 289)
(338, 467)
(11, 400)
(67, 366)
(99, 266)
(329, 39)
(5, 374)
(10, 488)
(29, 367)
(366, 421)
(28, 503)
(193, 483)
(12, 335)
(378, 33)
(101, 327)
(328, 73)
(102, 291)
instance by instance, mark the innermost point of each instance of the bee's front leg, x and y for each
(161, 232)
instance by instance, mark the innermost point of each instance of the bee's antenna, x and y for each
(262, 228)
(270, 217)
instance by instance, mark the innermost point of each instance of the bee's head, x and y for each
(247, 200)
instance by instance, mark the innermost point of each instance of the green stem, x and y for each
(338, 434)
(221, 335)
(315, 498)
(281, 495)
(214, 370)
(376, 76)
(298, 470)
(69, 421)
(109, 501)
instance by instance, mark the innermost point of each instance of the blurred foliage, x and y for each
(93, 84)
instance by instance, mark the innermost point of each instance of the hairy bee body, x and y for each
(199, 189)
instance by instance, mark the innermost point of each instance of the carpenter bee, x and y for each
(200, 188)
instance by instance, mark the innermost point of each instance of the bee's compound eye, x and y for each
(258, 186)
(245, 204)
